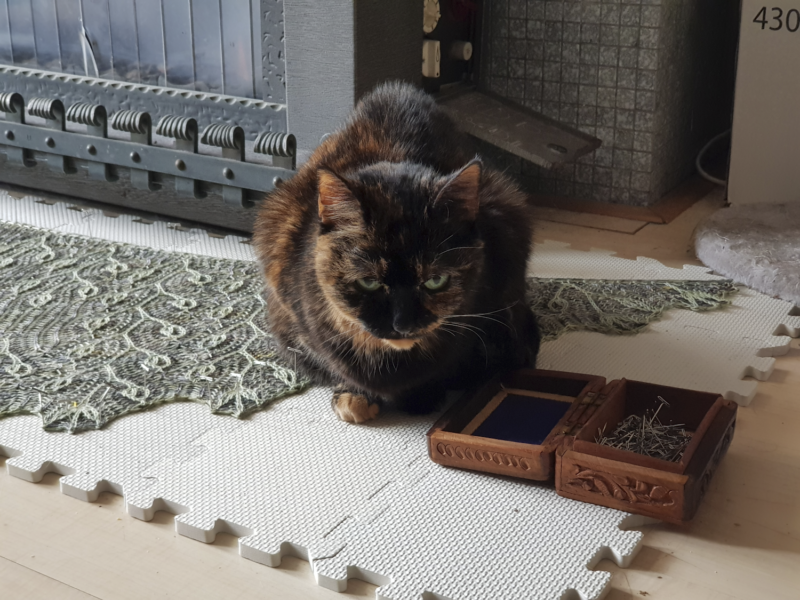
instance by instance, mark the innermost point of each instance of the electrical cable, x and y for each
(698, 162)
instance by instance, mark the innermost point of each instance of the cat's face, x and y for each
(398, 249)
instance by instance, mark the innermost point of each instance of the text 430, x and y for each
(776, 18)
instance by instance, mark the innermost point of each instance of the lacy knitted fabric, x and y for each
(617, 306)
(91, 330)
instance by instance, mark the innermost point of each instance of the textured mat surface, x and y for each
(357, 500)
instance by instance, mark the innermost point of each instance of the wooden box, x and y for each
(542, 425)
(456, 441)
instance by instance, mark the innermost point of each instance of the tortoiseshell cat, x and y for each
(394, 264)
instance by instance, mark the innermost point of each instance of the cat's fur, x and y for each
(393, 199)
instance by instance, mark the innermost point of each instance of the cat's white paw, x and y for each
(354, 408)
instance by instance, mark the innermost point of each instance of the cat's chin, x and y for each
(401, 344)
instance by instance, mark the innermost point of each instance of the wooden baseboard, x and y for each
(664, 211)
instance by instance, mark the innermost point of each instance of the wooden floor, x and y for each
(744, 543)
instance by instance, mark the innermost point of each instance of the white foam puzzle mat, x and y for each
(364, 500)
(708, 351)
(356, 500)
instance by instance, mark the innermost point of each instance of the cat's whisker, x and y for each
(338, 335)
(493, 312)
(450, 331)
(482, 317)
(464, 325)
(444, 240)
(461, 333)
(348, 343)
(426, 352)
(503, 323)
(485, 316)
(458, 248)
(473, 329)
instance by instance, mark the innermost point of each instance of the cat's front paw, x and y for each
(353, 408)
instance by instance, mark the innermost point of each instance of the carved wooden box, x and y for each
(541, 425)
(670, 491)
(474, 434)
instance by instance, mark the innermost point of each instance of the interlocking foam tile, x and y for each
(92, 462)
(477, 537)
(359, 501)
(164, 235)
(709, 351)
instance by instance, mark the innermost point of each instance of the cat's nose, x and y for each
(403, 321)
(402, 326)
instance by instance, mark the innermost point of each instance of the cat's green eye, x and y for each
(437, 282)
(368, 284)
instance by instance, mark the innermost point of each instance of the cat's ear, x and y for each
(463, 189)
(336, 205)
